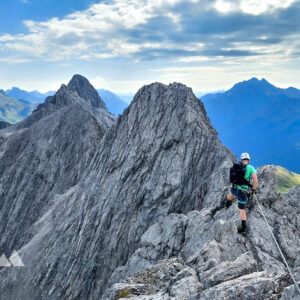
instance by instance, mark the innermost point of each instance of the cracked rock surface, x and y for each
(133, 207)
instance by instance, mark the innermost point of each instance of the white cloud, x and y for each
(119, 86)
(254, 7)
(100, 82)
(226, 6)
(98, 32)
(86, 31)
(14, 60)
(100, 28)
(101, 32)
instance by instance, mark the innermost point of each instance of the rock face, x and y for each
(4, 124)
(80, 86)
(71, 95)
(138, 209)
(217, 262)
(42, 156)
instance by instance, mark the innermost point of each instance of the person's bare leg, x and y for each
(243, 215)
(230, 197)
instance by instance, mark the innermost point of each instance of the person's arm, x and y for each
(255, 181)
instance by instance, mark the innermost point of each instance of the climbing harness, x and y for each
(291, 274)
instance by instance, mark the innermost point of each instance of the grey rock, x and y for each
(41, 160)
(4, 124)
(185, 288)
(221, 257)
(78, 91)
(134, 203)
(290, 293)
(257, 285)
(225, 271)
(150, 281)
(81, 86)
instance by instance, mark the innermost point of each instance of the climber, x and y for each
(240, 175)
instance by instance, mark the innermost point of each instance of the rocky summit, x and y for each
(105, 208)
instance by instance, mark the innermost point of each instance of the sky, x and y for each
(121, 45)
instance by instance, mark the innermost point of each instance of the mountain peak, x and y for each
(14, 88)
(252, 80)
(82, 87)
(175, 98)
(2, 93)
(253, 83)
(78, 91)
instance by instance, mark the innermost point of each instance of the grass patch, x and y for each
(123, 293)
(286, 179)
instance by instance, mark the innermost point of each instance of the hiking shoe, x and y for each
(241, 230)
(228, 204)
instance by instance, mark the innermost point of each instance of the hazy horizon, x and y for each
(133, 92)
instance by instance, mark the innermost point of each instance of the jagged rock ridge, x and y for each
(42, 156)
(214, 262)
(151, 193)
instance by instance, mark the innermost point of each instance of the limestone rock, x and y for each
(41, 157)
(135, 204)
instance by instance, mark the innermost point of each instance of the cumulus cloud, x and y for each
(157, 29)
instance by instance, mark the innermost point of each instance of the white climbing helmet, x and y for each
(245, 156)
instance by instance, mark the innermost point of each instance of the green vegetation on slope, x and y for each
(13, 110)
(286, 179)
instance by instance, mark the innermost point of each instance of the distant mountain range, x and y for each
(114, 103)
(32, 97)
(255, 116)
(13, 110)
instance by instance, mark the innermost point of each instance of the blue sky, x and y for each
(121, 45)
(14, 12)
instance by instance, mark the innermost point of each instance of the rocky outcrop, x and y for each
(224, 264)
(43, 156)
(80, 86)
(4, 124)
(71, 95)
(145, 219)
